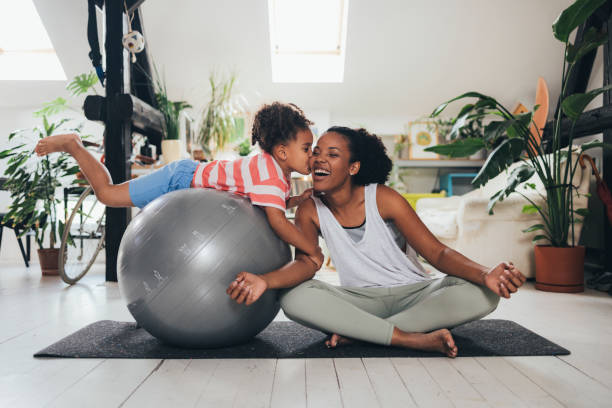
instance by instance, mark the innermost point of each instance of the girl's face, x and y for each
(299, 151)
(330, 163)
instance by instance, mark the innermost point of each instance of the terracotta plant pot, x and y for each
(559, 269)
(48, 261)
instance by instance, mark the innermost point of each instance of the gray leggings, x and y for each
(370, 314)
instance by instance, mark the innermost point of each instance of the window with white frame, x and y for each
(26, 52)
(308, 40)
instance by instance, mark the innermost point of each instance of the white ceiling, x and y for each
(403, 57)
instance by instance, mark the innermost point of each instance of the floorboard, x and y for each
(37, 311)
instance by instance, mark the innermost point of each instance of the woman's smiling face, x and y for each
(330, 162)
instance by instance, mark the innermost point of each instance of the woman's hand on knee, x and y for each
(247, 288)
(504, 279)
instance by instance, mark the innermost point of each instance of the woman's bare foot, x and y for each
(57, 143)
(439, 340)
(337, 340)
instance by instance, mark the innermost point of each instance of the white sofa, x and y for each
(464, 224)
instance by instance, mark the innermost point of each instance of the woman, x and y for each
(386, 296)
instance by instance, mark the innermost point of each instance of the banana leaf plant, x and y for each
(515, 142)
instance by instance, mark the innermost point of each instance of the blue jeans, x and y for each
(174, 176)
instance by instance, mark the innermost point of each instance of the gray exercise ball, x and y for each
(178, 256)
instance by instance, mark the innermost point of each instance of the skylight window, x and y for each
(26, 53)
(308, 40)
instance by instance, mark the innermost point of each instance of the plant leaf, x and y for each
(573, 16)
(459, 123)
(535, 227)
(591, 40)
(519, 126)
(472, 94)
(519, 175)
(82, 83)
(496, 129)
(593, 144)
(51, 108)
(459, 147)
(539, 237)
(583, 212)
(574, 104)
(530, 185)
(503, 156)
(497, 197)
(466, 109)
(530, 209)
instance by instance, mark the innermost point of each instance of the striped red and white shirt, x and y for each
(259, 178)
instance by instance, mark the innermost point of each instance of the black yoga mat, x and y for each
(110, 339)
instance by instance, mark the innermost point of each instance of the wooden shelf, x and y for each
(440, 163)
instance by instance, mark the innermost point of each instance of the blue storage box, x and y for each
(457, 183)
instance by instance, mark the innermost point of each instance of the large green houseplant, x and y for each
(555, 170)
(33, 182)
(220, 122)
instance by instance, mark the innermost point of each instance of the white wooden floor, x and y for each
(35, 312)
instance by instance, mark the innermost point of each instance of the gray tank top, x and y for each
(356, 233)
(374, 260)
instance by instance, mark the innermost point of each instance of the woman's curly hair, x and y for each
(277, 123)
(370, 151)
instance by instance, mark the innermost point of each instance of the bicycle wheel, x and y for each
(83, 237)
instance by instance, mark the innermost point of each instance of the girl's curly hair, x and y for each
(370, 151)
(277, 123)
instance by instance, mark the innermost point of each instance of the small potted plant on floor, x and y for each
(559, 258)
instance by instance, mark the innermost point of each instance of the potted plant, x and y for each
(559, 260)
(171, 111)
(220, 121)
(473, 128)
(400, 147)
(465, 137)
(244, 148)
(33, 181)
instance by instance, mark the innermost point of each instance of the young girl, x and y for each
(283, 134)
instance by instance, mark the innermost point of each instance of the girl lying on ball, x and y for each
(282, 131)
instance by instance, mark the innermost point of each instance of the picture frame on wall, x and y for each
(421, 135)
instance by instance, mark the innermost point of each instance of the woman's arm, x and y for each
(502, 279)
(247, 287)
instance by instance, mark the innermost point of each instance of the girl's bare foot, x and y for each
(337, 340)
(57, 143)
(439, 340)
